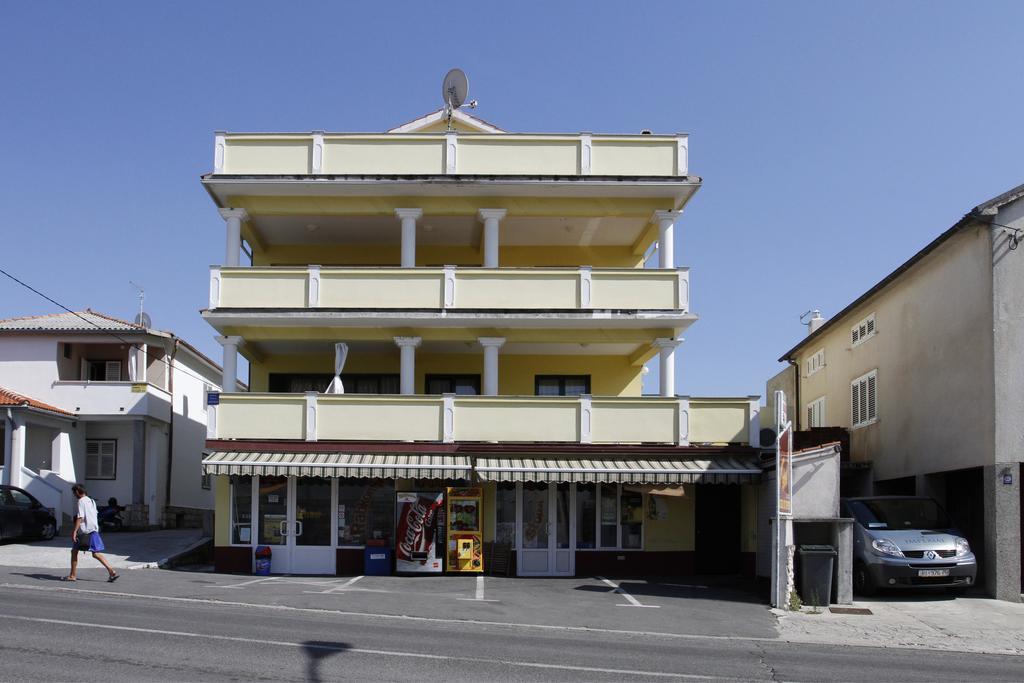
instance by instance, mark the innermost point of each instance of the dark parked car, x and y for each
(22, 516)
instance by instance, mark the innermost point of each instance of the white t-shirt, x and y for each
(87, 511)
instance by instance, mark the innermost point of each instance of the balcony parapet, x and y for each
(506, 419)
(453, 153)
(450, 288)
(135, 399)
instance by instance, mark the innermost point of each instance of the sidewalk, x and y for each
(963, 624)
(125, 550)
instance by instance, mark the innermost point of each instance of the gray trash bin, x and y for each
(816, 574)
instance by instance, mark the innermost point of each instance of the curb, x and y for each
(167, 562)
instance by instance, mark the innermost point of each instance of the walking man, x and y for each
(86, 535)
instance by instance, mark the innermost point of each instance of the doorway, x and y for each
(546, 529)
(294, 517)
(718, 529)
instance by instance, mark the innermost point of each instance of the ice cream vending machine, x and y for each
(465, 530)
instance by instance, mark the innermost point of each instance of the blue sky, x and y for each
(835, 140)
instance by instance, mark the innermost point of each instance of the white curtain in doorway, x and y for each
(340, 354)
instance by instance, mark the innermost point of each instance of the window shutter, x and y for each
(855, 402)
(863, 401)
(92, 465)
(113, 371)
(872, 405)
(854, 336)
(869, 326)
(810, 416)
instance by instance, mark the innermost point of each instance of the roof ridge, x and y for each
(116, 320)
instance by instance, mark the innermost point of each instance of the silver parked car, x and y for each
(907, 541)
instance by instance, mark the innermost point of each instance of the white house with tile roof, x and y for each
(125, 413)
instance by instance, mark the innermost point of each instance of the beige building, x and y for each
(925, 371)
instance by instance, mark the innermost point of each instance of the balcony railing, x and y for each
(450, 288)
(112, 398)
(453, 153)
(511, 419)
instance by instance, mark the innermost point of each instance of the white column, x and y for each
(230, 376)
(409, 218)
(142, 359)
(491, 346)
(233, 247)
(491, 217)
(667, 362)
(15, 433)
(666, 227)
(407, 347)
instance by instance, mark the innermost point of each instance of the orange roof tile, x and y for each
(10, 398)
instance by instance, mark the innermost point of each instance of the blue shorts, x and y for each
(95, 543)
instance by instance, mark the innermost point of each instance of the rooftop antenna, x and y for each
(142, 318)
(454, 91)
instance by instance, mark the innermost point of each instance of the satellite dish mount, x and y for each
(454, 91)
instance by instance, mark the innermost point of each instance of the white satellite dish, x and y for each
(143, 320)
(454, 91)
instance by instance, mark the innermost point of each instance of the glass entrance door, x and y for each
(272, 521)
(310, 522)
(546, 530)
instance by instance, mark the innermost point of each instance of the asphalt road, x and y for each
(155, 625)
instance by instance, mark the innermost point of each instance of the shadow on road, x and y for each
(316, 652)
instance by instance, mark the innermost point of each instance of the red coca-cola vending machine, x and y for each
(419, 533)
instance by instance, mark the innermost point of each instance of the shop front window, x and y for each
(631, 509)
(366, 511)
(505, 514)
(586, 516)
(273, 510)
(241, 509)
(609, 517)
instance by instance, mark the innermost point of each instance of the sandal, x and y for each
(113, 578)
(68, 579)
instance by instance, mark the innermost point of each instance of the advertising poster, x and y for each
(416, 538)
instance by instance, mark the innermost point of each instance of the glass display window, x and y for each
(241, 509)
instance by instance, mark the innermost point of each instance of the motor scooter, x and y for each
(109, 516)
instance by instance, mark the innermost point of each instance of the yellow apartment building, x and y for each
(465, 311)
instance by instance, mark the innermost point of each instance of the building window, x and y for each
(864, 399)
(101, 459)
(463, 385)
(816, 362)
(863, 330)
(103, 370)
(561, 385)
(816, 413)
(205, 481)
(609, 517)
(505, 514)
(67, 350)
(241, 509)
(365, 511)
(586, 516)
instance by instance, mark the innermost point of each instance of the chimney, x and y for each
(815, 322)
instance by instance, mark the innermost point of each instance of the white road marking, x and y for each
(247, 583)
(479, 591)
(343, 586)
(633, 602)
(375, 652)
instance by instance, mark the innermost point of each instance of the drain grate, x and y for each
(849, 610)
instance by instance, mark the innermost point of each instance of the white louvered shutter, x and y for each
(871, 399)
(113, 371)
(855, 402)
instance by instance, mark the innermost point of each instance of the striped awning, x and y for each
(358, 465)
(719, 470)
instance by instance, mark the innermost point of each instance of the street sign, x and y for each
(213, 399)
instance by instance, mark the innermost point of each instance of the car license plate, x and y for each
(933, 572)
